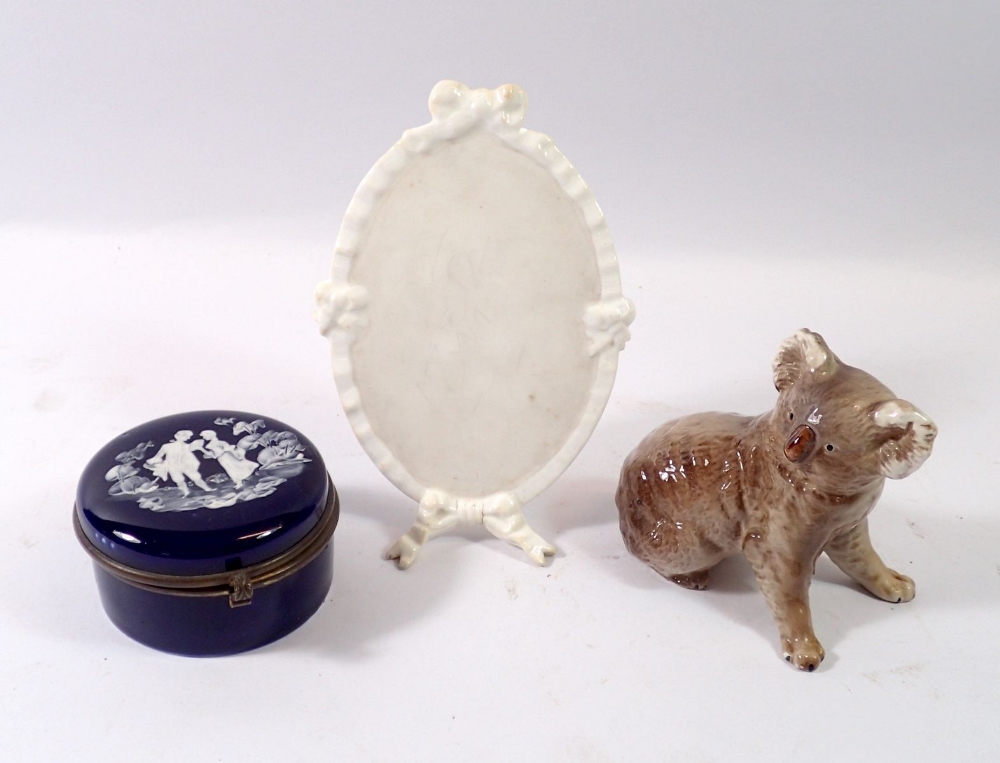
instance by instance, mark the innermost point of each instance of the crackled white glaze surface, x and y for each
(475, 311)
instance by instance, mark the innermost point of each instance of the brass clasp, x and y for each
(240, 590)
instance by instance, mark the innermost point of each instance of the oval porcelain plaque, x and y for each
(475, 316)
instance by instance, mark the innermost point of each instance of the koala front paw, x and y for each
(895, 587)
(805, 653)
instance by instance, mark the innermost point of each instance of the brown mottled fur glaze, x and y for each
(782, 487)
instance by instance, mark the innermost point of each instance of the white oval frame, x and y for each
(457, 110)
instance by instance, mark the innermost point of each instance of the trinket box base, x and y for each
(208, 626)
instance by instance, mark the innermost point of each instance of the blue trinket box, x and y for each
(211, 532)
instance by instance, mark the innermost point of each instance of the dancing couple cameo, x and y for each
(183, 480)
(177, 460)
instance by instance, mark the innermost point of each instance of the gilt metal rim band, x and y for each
(238, 585)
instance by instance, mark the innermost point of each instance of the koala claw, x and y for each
(693, 581)
(804, 653)
(895, 587)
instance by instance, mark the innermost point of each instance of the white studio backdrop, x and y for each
(810, 126)
(173, 177)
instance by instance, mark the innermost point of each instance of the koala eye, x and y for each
(791, 416)
(829, 447)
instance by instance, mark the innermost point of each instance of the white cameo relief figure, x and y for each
(252, 467)
(176, 460)
(230, 458)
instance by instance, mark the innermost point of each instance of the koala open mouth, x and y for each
(801, 444)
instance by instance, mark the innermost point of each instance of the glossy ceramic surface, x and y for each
(475, 316)
(205, 627)
(235, 489)
(782, 487)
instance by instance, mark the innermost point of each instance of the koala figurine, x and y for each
(782, 487)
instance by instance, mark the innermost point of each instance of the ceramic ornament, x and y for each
(475, 316)
(782, 487)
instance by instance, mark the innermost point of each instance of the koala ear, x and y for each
(802, 353)
(910, 437)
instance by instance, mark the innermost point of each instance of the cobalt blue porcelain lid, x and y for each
(201, 493)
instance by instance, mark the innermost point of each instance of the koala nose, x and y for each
(800, 444)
